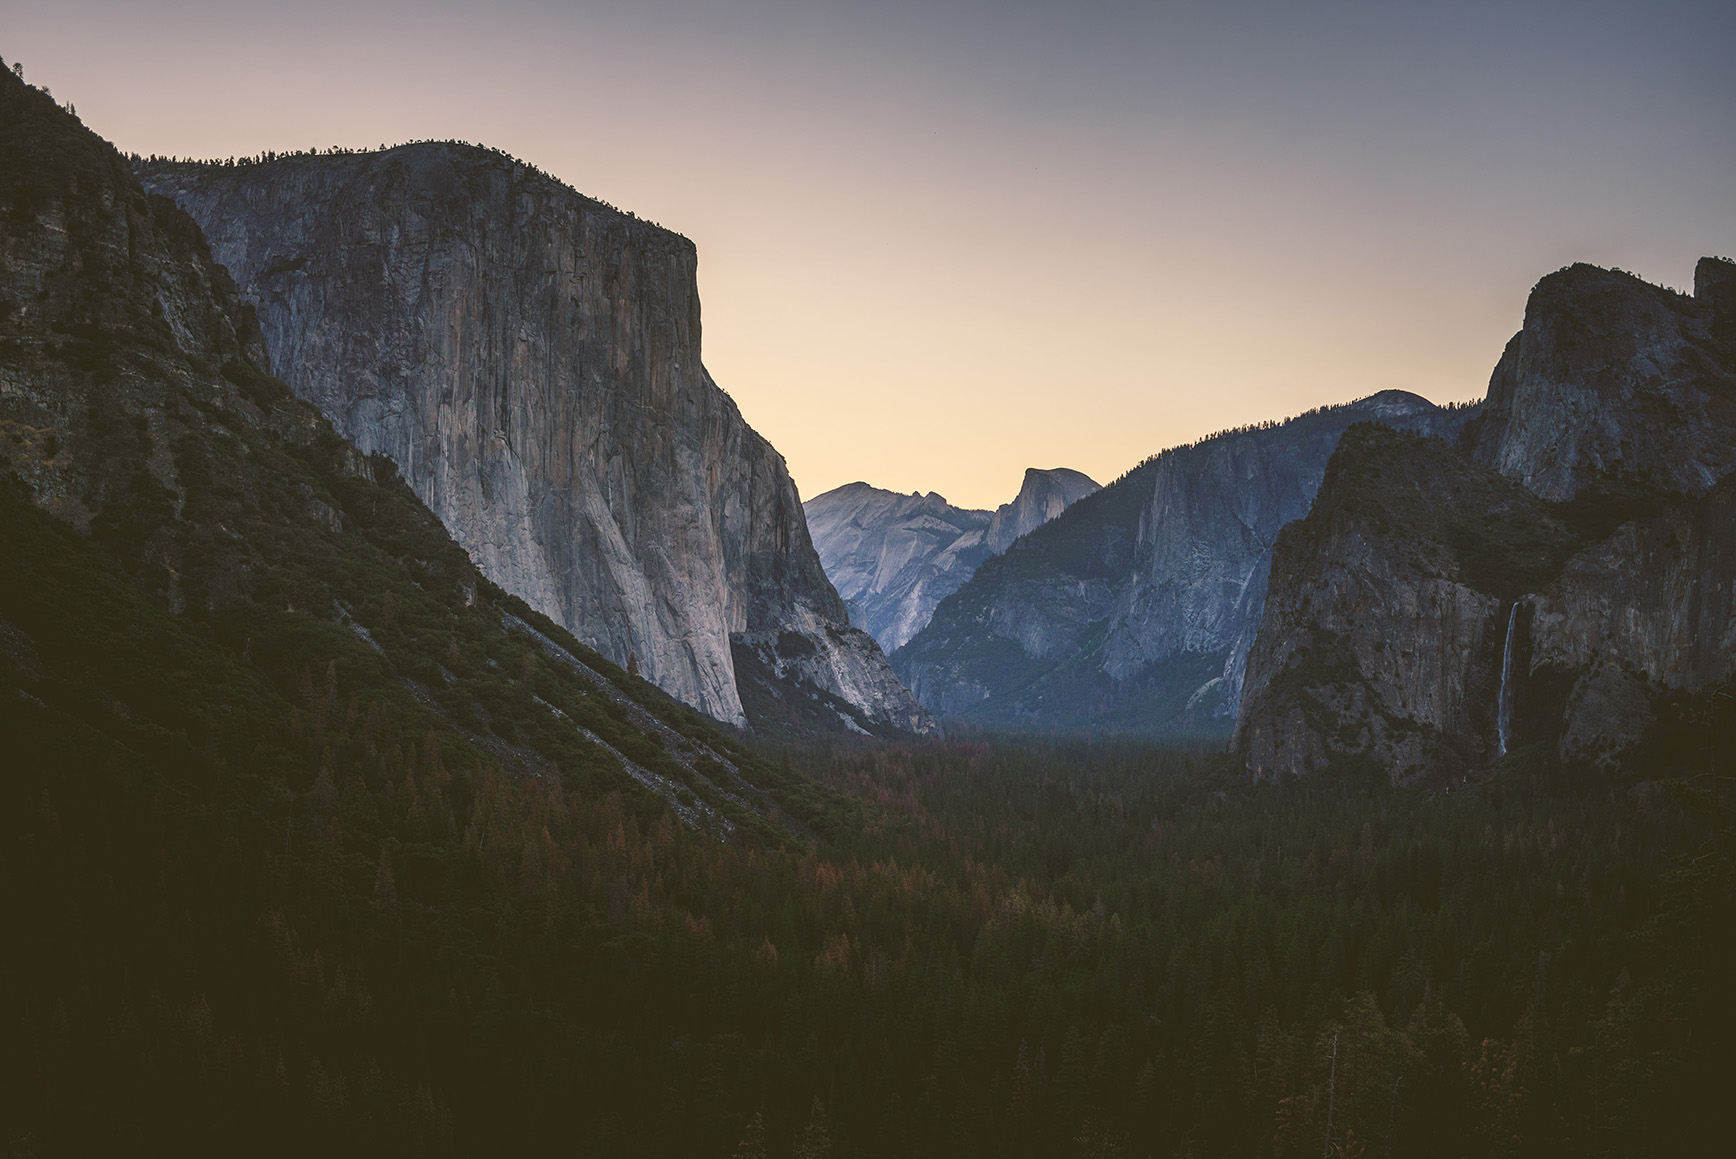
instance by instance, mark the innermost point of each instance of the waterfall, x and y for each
(1504, 699)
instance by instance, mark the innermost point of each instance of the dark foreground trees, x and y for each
(363, 937)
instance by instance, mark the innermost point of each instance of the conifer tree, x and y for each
(753, 1140)
(815, 1143)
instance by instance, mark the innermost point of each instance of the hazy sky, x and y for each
(940, 242)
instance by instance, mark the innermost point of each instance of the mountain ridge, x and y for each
(1133, 610)
(1044, 493)
(530, 359)
(137, 412)
(894, 557)
(1546, 581)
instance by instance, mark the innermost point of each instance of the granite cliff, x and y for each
(185, 546)
(1542, 583)
(252, 694)
(530, 360)
(1042, 496)
(1612, 376)
(894, 557)
(1135, 608)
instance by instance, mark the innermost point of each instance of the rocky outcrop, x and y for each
(1042, 496)
(1649, 607)
(895, 557)
(1613, 376)
(1543, 583)
(530, 359)
(1135, 609)
(1383, 631)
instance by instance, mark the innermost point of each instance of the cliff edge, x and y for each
(530, 359)
(1545, 582)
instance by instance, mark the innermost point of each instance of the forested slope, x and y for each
(279, 767)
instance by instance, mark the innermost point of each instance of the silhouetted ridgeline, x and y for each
(1468, 408)
(268, 156)
(1133, 610)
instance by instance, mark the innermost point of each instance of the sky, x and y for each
(942, 242)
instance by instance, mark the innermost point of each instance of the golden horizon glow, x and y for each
(937, 250)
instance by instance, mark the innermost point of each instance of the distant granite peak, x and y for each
(894, 557)
(1043, 495)
(1134, 609)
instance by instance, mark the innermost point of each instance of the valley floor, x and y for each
(997, 947)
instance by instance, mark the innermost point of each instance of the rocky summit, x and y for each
(530, 360)
(1042, 496)
(894, 557)
(1134, 609)
(1611, 376)
(1545, 582)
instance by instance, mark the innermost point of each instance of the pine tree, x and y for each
(753, 1141)
(385, 888)
(815, 1143)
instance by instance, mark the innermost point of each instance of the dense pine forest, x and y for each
(379, 941)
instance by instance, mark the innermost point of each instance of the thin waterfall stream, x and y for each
(1504, 698)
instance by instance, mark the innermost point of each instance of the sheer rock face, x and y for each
(1135, 609)
(1042, 496)
(895, 557)
(1206, 534)
(530, 359)
(1650, 607)
(1611, 375)
(1380, 636)
(1593, 566)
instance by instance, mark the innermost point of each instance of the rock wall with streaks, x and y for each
(530, 358)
